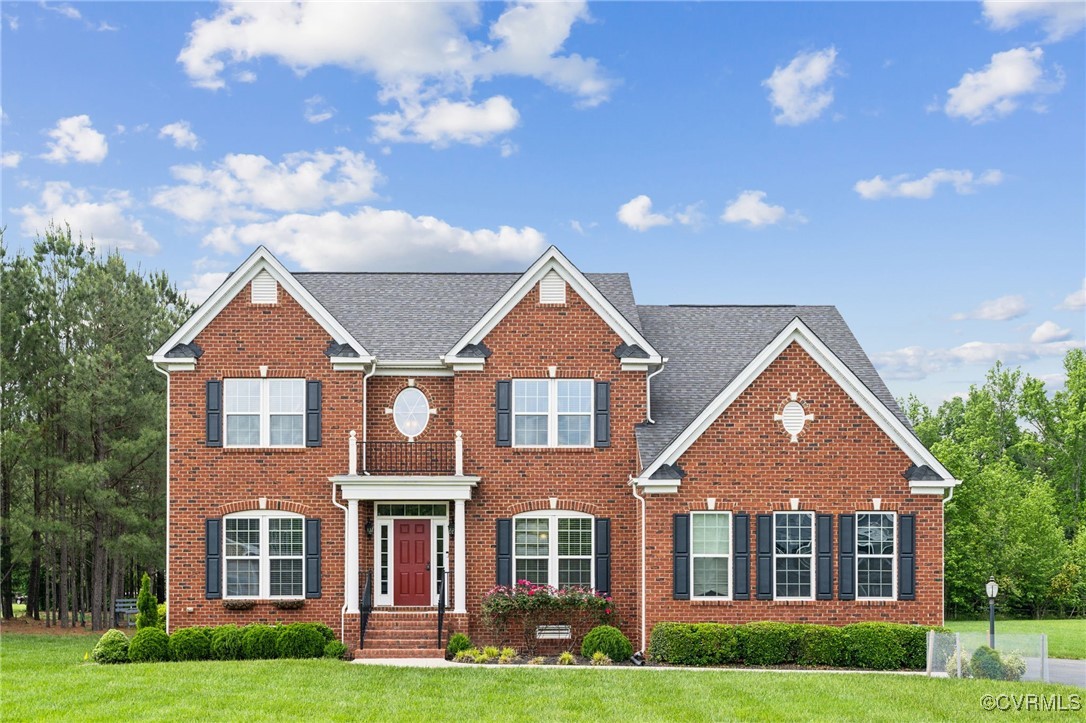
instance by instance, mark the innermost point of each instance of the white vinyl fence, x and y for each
(965, 655)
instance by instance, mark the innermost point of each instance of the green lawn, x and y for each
(1066, 638)
(44, 677)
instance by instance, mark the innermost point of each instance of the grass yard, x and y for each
(44, 677)
(1066, 638)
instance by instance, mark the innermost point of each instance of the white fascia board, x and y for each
(797, 331)
(465, 364)
(640, 365)
(174, 364)
(553, 259)
(404, 488)
(413, 368)
(260, 260)
(656, 486)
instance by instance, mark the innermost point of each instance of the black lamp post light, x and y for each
(992, 588)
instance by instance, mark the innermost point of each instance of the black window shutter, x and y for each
(213, 557)
(846, 557)
(603, 555)
(313, 413)
(824, 557)
(764, 545)
(741, 556)
(312, 557)
(680, 541)
(906, 557)
(603, 414)
(504, 407)
(505, 552)
(214, 413)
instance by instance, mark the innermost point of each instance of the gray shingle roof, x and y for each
(420, 316)
(708, 346)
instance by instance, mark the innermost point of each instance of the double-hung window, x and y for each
(793, 555)
(710, 533)
(264, 412)
(264, 555)
(875, 555)
(552, 412)
(553, 548)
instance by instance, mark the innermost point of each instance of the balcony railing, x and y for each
(407, 458)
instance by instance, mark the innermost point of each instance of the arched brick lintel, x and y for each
(587, 508)
(269, 504)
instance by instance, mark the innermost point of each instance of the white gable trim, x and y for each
(259, 261)
(797, 331)
(552, 260)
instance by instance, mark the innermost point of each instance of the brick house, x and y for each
(349, 446)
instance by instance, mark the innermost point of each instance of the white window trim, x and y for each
(728, 556)
(265, 414)
(430, 411)
(552, 544)
(813, 555)
(553, 414)
(892, 555)
(265, 557)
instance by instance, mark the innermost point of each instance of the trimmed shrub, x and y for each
(326, 633)
(768, 643)
(226, 643)
(335, 649)
(147, 604)
(914, 641)
(566, 658)
(600, 658)
(986, 664)
(258, 642)
(875, 646)
(161, 624)
(457, 642)
(1014, 667)
(608, 640)
(952, 665)
(150, 645)
(300, 640)
(190, 644)
(821, 645)
(694, 644)
(111, 648)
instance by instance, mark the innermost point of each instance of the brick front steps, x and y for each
(406, 634)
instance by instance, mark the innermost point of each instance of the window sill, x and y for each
(883, 602)
(264, 450)
(551, 450)
(793, 603)
(710, 602)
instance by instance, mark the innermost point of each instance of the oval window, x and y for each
(411, 412)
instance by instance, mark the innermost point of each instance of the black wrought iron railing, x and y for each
(442, 587)
(436, 458)
(366, 607)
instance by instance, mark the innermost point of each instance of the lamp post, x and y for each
(992, 588)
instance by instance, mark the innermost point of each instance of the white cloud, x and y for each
(637, 214)
(1004, 308)
(508, 148)
(444, 122)
(104, 219)
(750, 208)
(996, 91)
(799, 92)
(419, 53)
(1049, 331)
(247, 187)
(1053, 380)
(245, 76)
(200, 286)
(373, 238)
(75, 140)
(903, 187)
(13, 21)
(11, 159)
(917, 362)
(317, 110)
(63, 9)
(181, 133)
(692, 216)
(1075, 301)
(1060, 19)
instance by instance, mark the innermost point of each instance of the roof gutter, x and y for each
(648, 391)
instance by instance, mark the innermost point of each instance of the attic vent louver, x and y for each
(552, 289)
(264, 289)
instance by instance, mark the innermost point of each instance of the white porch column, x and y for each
(460, 568)
(350, 582)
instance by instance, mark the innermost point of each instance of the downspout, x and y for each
(169, 603)
(343, 607)
(633, 488)
(946, 499)
(648, 391)
(365, 413)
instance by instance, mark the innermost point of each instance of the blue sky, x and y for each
(920, 165)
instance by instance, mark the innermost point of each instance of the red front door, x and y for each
(411, 539)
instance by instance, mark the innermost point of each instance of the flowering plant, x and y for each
(527, 605)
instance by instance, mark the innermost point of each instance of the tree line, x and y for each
(82, 428)
(83, 463)
(1018, 515)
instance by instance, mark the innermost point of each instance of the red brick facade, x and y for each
(745, 461)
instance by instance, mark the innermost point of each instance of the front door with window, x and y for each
(411, 540)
